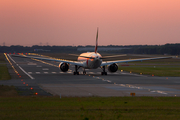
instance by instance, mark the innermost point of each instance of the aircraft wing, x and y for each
(133, 60)
(52, 59)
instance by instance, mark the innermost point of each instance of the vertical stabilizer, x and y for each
(96, 41)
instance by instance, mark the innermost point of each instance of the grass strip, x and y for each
(7, 91)
(153, 70)
(90, 108)
(4, 74)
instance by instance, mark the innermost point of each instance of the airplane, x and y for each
(92, 60)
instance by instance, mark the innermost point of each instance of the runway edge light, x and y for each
(132, 94)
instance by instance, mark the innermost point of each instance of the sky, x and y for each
(75, 22)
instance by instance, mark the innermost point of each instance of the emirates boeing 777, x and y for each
(92, 60)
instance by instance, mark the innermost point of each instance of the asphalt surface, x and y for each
(45, 79)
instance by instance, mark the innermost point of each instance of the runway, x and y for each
(46, 79)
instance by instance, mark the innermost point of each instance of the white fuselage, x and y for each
(91, 60)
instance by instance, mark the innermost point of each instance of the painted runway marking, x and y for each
(31, 63)
(45, 72)
(45, 69)
(115, 73)
(141, 88)
(21, 67)
(132, 86)
(30, 72)
(54, 72)
(38, 73)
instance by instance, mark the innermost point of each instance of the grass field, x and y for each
(164, 67)
(4, 74)
(166, 71)
(96, 108)
(7, 91)
(161, 67)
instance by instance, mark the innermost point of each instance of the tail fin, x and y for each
(96, 41)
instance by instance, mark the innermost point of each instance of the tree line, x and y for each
(170, 49)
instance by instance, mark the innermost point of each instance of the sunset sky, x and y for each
(75, 22)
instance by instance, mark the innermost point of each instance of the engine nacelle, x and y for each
(113, 67)
(64, 67)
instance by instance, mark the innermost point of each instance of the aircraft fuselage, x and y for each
(90, 60)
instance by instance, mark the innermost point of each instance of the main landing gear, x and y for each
(84, 72)
(76, 70)
(104, 72)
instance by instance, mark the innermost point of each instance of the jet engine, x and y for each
(113, 67)
(64, 67)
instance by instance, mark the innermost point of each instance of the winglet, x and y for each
(96, 41)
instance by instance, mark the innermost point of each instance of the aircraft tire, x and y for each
(76, 73)
(103, 73)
